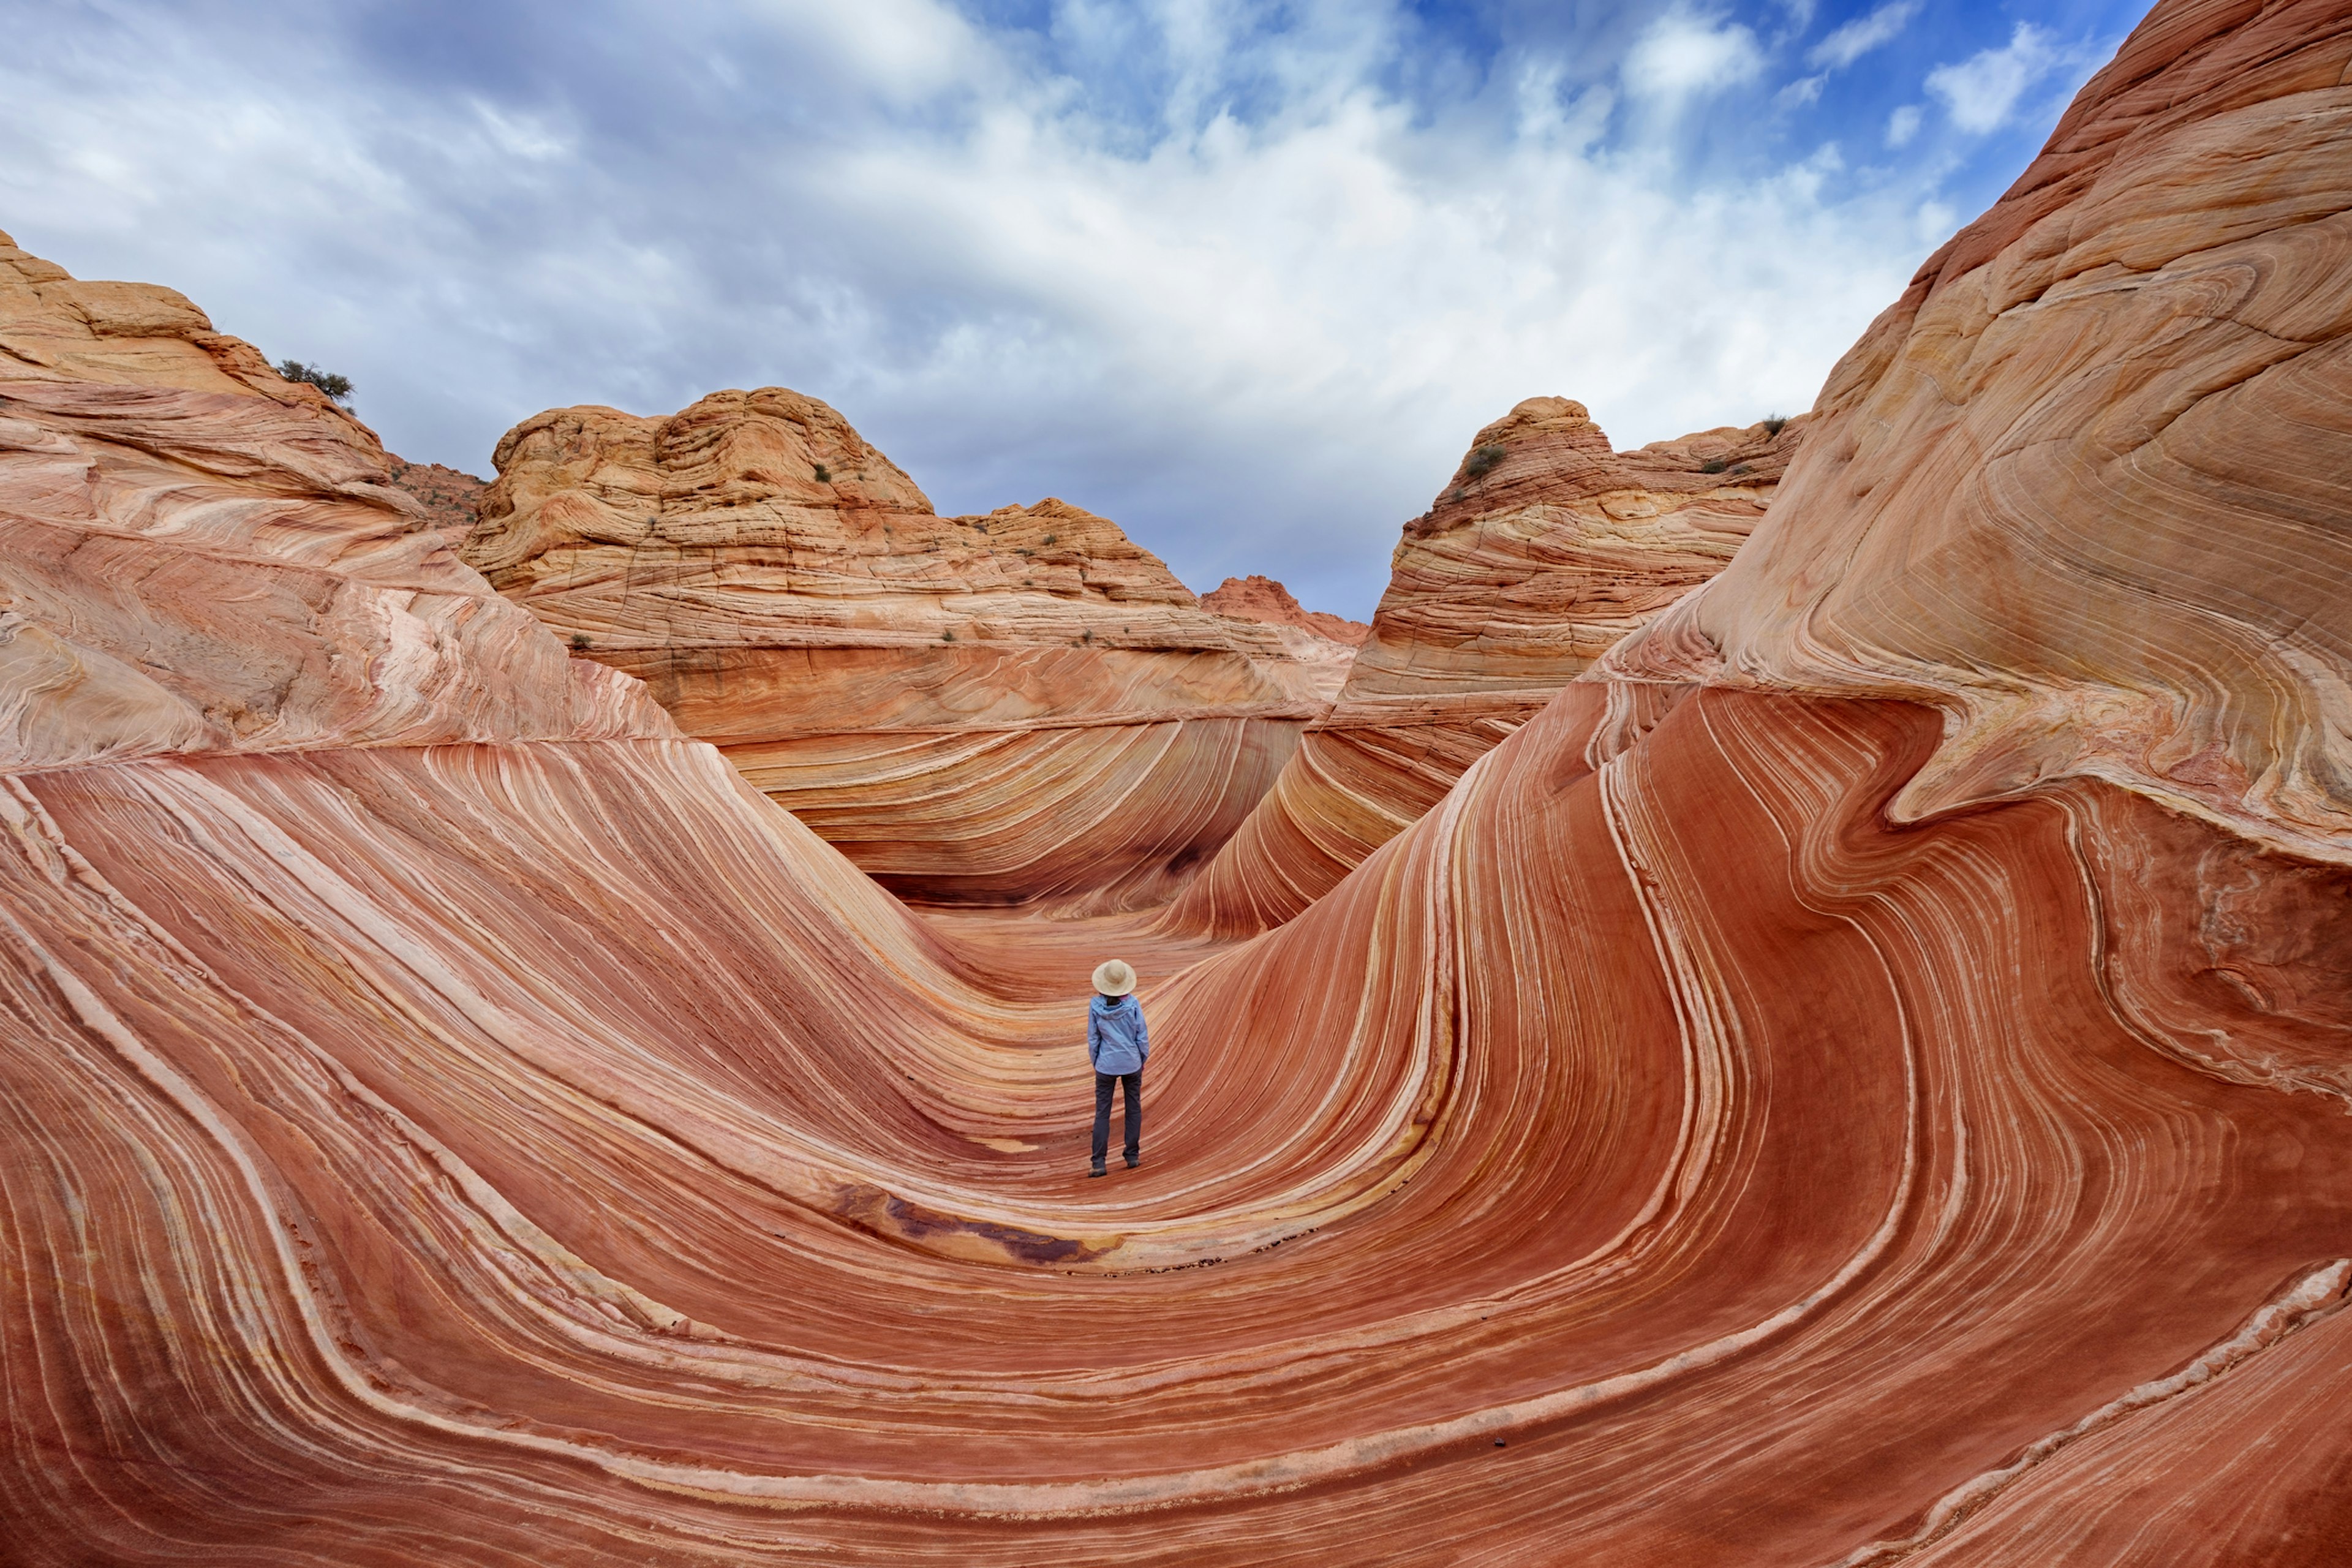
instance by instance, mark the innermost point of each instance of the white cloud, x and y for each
(903, 50)
(1902, 125)
(1685, 53)
(1805, 89)
(1981, 91)
(1261, 343)
(1856, 38)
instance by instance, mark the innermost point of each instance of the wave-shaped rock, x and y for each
(1001, 708)
(463, 1121)
(2113, 410)
(1545, 548)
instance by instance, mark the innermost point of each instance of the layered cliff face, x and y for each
(1545, 548)
(202, 559)
(1024, 706)
(450, 1118)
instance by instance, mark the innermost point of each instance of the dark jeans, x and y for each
(1103, 1082)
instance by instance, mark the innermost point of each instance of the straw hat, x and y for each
(1114, 977)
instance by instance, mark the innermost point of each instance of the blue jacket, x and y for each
(1118, 1041)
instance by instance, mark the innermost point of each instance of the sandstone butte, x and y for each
(1861, 1077)
(1545, 548)
(1019, 707)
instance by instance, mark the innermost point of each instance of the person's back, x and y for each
(1119, 1042)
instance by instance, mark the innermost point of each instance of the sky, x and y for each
(1245, 278)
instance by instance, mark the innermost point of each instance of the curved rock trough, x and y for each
(1857, 1069)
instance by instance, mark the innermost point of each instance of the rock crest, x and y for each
(1544, 548)
(938, 695)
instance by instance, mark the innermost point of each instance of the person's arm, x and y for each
(1142, 1034)
(1094, 1038)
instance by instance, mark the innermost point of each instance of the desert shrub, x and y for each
(1483, 460)
(824, 475)
(338, 387)
(1775, 423)
(1713, 466)
(1050, 537)
(579, 642)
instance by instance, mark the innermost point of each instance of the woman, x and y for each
(1119, 1044)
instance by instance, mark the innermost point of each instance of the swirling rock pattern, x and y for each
(1020, 706)
(2125, 387)
(1544, 548)
(199, 557)
(445, 1129)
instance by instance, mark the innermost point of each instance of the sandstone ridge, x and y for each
(1324, 645)
(941, 697)
(2142, 332)
(1544, 548)
(203, 558)
(1258, 598)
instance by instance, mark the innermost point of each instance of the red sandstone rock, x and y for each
(996, 709)
(203, 558)
(1323, 645)
(452, 497)
(454, 1118)
(1545, 548)
(2112, 408)
(1256, 598)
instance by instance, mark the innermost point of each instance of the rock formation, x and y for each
(1324, 643)
(450, 1116)
(204, 559)
(2122, 386)
(1256, 598)
(452, 497)
(1545, 548)
(1002, 708)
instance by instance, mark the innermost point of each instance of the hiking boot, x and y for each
(1095, 1168)
(1133, 1160)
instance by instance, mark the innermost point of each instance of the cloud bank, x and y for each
(1246, 280)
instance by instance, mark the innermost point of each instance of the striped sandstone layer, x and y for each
(1545, 548)
(1024, 706)
(536, 1148)
(2114, 410)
